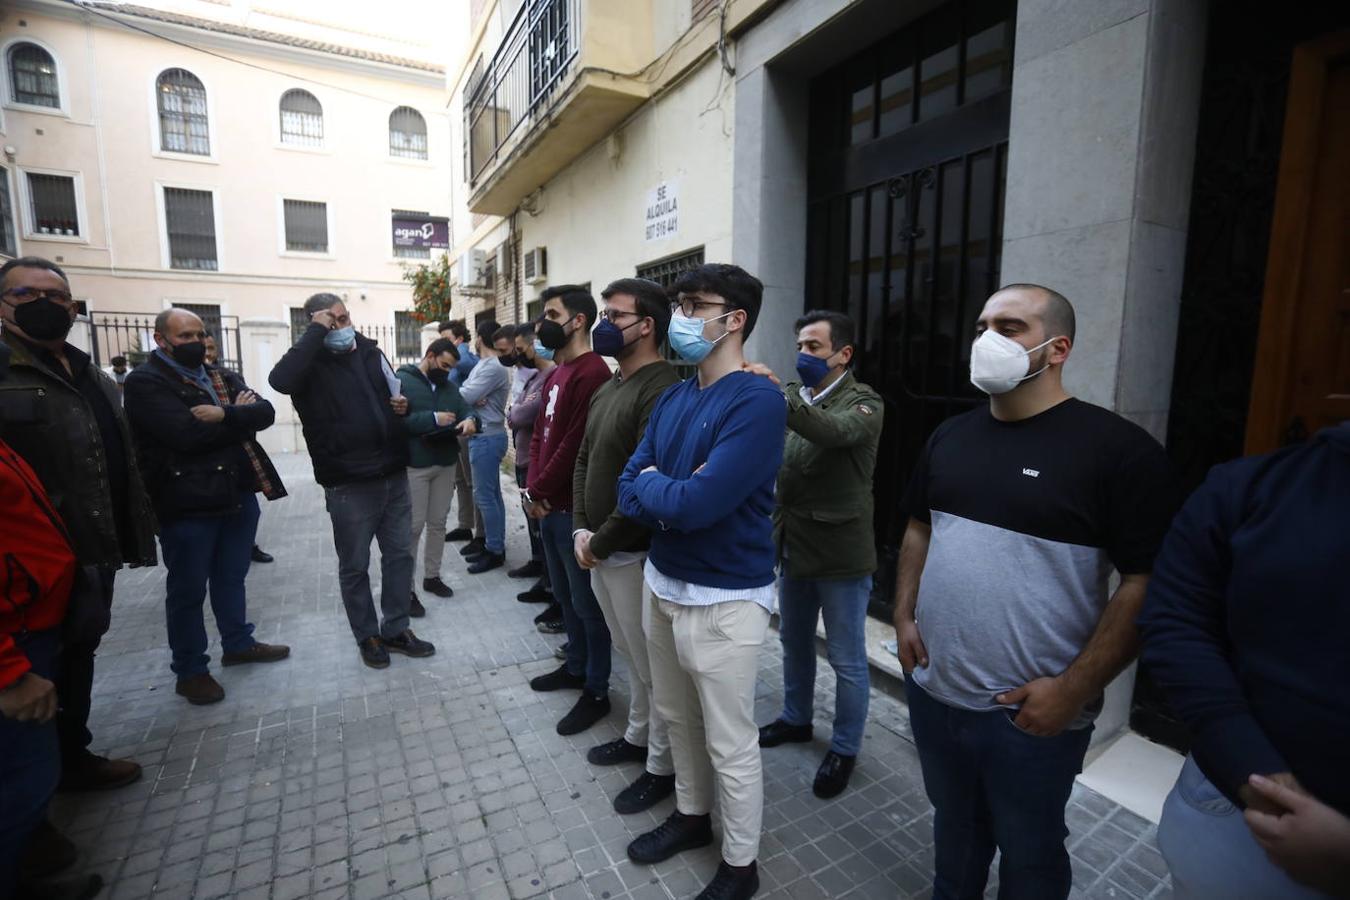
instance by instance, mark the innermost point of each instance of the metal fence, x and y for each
(132, 335)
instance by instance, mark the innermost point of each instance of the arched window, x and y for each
(301, 119)
(407, 133)
(32, 76)
(182, 113)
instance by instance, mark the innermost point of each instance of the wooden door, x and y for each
(1302, 377)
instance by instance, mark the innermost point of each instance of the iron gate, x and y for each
(132, 335)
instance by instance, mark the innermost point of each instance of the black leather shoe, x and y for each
(373, 653)
(833, 774)
(551, 626)
(644, 793)
(616, 752)
(472, 548)
(48, 853)
(532, 569)
(415, 607)
(409, 644)
(589, 709)
(437, 587)
(536, 594)
(729, 883)
(459, 534)
(675, 835)
(486, 563)
(780, 732)
(259, 555)
(557, 680)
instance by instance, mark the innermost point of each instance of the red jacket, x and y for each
(560, 426)
(37, 566)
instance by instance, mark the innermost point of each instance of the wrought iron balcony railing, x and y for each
(534, 56)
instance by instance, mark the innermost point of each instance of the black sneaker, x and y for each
(532, 569)
(437, 587)
(415, 608)
(536, 594)
(780, 732)
(409, 644)
(644, 793)
(551, 626)
(616, 752)
(557, 680)
(373, 653)
(486, 562)
(675, 835)
(472, 548)
(833, 774)
(739, 883)
(589, 709)
(459, 534)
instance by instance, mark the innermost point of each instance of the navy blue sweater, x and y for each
(713, 528)
(1247, 623)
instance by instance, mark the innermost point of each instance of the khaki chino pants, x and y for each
(624, 599)
(704, 661)
(470, 518)
(431, 489)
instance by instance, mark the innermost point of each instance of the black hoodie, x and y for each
(1247, 623)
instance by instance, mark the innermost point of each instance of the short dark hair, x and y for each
(442, 345)
(32, 262)
(486, 330)
(504, 333)
(1058, 315)
(737, 287)
(457, 328)
(841, 326)
(652, 301)
(575, 299)
(525, 330)
(118, 360)
(320, 302)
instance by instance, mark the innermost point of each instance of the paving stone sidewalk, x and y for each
(444, 777)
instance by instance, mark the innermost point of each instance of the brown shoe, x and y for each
(98, 773)
(258, 653)
(200, 689)
(48, 853)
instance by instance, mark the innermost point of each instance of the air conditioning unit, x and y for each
(469, 271)
(536, 266)
(504, 259)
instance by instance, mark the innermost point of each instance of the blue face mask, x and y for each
(686, 337)
(541, 351)
(813, 369)
(607, 338)
(340, 340)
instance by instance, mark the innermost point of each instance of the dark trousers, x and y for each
(993, 785)
(379, 509)
(30, 766)
(588, 640)
(75, 684)
(532, 525)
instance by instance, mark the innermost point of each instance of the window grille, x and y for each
(306, 225)
(52, 198)
(183, 126)
(189, 219)
(407, 134)
(301, 119)
(32, 76)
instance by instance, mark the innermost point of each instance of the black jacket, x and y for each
(343, 403)
(193, 468)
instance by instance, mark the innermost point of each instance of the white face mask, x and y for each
(998, 364)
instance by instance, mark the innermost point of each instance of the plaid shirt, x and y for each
(270, 489)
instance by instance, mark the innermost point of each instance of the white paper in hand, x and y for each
(395, 388)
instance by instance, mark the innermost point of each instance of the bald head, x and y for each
(173, 320)
(1050, 306)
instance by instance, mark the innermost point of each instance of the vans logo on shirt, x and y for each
(1032, 473)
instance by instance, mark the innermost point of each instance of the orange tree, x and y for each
(431, 289)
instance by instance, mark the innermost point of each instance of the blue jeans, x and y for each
(214, 551)
(30, 765)
(378, 509)
(994, 785)
(843, 602)
(1210, 850)
(485, 458)
(588, 642)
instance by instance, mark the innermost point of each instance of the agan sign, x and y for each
(429, 232)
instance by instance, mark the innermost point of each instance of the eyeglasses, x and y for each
(25, 294)
(688, 306)
(614, 315)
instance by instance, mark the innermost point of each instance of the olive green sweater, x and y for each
(614, 426)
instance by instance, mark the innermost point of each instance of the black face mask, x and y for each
(190, 355)
(507, 359)
(43, 319)
(551, 334)
(438, 376)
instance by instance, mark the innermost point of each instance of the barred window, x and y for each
(9, 241)
(53, 205)
(189, 219)
(183, 126)
(407, 133)
(32, 76)
(301, 119)
(407, 336)
(306, 226)
(299, 322)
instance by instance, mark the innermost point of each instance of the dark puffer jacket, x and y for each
(343, 403)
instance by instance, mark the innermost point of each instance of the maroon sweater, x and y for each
(560, 426)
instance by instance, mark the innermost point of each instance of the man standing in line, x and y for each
(608, 544)
(702, 479)
(565, 329)
(436, 415)
(823, 524)
(531, 367)
(343, 390)
(64, 417)
(194, 426)
(486, 389)
(469, 517)
(1018, 512)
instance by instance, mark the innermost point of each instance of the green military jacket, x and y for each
(823, 520)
